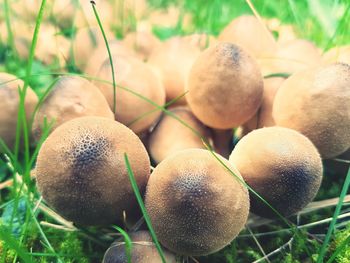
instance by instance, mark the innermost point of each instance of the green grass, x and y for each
(290, 240)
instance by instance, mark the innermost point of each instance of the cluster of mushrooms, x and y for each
(177, 106)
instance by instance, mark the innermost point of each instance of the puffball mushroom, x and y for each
(225, 86)
(316, 102)
(9, 106)
(143, 42)
(81, 171)
(71, 97)
(251, 34)
(173, 60)
(293, 56)
(170, 135)
(143, 250)
(84, 43)
(138, 77)
(282, 166)
(195, 204)
(100, 54)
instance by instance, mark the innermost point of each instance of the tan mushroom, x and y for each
(81, 172)
(195, 204)
(71, 97)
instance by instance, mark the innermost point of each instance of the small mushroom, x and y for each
(143, 42)
(71, 97)
(338, 54)
(143, 250)
(246, 31)
(170, 135)
(225, 87)
(173, 60)
(81, 171)
(282, 166)
(9, 106)
(316, 102)
(131, 110)
(196, 205)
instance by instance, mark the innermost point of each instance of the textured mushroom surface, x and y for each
(282, 166)
(195, 204)
(316, 102)
(81, 171)
(225, 86)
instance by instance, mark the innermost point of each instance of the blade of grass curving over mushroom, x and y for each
(93, 4)
(143, 208)
(331, 228)
(128, 242)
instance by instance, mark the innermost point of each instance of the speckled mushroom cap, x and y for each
(71, 97)
(9, 105)
(196, 206)
(282, 166)
(225, 86)
(132, 74)
(81, 171)
(170, 135)
(143, 250)
(316, 102)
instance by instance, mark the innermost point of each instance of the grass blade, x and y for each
(339, 249)
(335, 217)
(142, 206)
(128, 242)
(11, 242)
(109, 55)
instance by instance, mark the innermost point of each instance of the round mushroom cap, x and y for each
(263, 117)
(10, 103)
(81, 172)
(292, 56)
(143, 42)
(170, 135)
(84, 43)
(316, 102)
(136, 76)
(225, 86)
(282, 166)
(71, 97)
(143, 250)
(100, 55)
(173, 61)
(195, 204)
(246, 31)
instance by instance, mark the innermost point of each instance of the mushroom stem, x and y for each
(223, 141)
